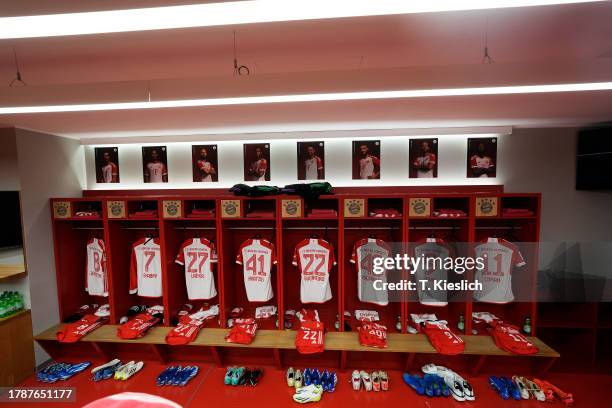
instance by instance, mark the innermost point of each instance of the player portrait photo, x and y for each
(482, 157)
(204, 163)
(311, 160)
(366, 159)
(155, 164)
(256, 162)
(423, 158)
(107, 164)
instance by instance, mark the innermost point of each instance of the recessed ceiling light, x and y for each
(315, 97)
(236, 12)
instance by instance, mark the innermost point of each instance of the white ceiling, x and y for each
(552, 35)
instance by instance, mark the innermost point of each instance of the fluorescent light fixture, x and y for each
(236, 12)
(315, 97)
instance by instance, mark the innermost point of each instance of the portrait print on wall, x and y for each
(311, 160)
(204, 161)
(107, 164)
(423, 158)
(257, 166)
(482, 157)
(366, 159)
(155, 164)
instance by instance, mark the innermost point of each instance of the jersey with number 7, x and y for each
(314, 259)
(145, 268)
(198, 255)
(257, 257)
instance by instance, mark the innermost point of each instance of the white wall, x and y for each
(394, 157)
(49, 166)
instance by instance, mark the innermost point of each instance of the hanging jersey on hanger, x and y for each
(257, 257)
(96, 282)
(363, 255)
(430, 272)
(314, 258)
(145, 268)
(198, 256)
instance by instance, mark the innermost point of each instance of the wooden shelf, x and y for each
(285, 340)
(20, 313)
(12, 271)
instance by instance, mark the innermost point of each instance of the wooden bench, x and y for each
(411, 344)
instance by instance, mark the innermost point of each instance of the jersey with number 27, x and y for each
(314, 258)
(145, 268)
(198, 256)
(257, 257)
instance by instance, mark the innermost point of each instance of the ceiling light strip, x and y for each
(315, 97)
(234, 13)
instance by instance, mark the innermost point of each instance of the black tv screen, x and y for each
(10, 220)
(594, 159)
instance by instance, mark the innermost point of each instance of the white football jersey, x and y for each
(432, 271)
(425, 160)
(367, 166)
(108, 171)
(484, 162)
(260, 166)
(205, 167)
(96, 282)
(496, 277)
(312, 167)
(257, 257)
(314, 258)
(198, 256)
(363, 255)
(145, 269)
(156, 172)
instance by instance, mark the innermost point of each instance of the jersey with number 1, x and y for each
(363, 255)
(198, 256)
(315, 259)
(96, 283)
(500, 256)
(145, 268)
(257, 257)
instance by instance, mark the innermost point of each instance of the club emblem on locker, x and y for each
(172, 208)
(291, 208)
(116, 209)
(486, 206)
(419, 207)
(354, 208)
(230, 208)
(61, 209)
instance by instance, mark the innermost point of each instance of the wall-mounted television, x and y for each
(10, 220)
(594, 158)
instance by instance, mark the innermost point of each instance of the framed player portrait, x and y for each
(366, 159)
(311, 160)
(482, 157)
(257, 162)
(204, 161)
(155, 164)
(423, 158)
(107, 164)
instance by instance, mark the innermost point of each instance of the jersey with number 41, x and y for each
(257, 257)
(145, 268)
(315, 259)
(198, 256)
